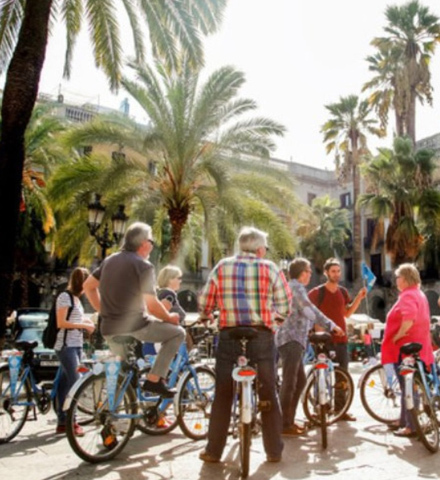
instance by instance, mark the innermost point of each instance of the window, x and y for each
(345, 200)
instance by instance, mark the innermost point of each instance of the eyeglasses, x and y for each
(267, 248)
(179, 278)
(152, 242)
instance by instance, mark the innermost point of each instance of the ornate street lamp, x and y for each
(96, 216)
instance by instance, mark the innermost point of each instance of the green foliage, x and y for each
(401, 191)
(324, 232)
(192, 173)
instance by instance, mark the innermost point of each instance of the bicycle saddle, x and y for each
(411, 348)
(320, 337)
(25, 345)
(237, 333)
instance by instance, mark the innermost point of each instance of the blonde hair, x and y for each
(167, 274)
(409, 272)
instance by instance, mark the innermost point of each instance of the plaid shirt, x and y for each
(247, 290)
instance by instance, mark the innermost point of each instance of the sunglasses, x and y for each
(151, 241)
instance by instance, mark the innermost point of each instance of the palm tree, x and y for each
(401, 190)
(345, 134)
(204, 152)
(325, 232)
(36, 221)
(401, 64)
(24, 33)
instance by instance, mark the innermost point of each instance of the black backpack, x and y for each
(51, 331)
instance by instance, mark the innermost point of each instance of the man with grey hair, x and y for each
(248, 290)
(123, 290)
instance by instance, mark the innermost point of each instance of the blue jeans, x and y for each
(341, 358)
(405, 418)
(70, 358)
(294, 380)
(261, 352)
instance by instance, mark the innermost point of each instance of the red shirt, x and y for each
(333, 306)
(412, 304)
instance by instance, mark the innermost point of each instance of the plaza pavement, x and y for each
(357, 451)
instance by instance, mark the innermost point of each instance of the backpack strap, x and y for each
(72, 304)
(321, 294)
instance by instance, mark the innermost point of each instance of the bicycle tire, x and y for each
(157, 419)
(194, 403)
(424, 416)
(12, 416)
(381, 400)
(323, 425)
(106, 436)
(311, 403)
(245, 447)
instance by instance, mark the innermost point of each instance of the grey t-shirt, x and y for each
(124, 278)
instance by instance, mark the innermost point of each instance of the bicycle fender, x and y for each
(74, 389)
(191, 372)
(409, 399)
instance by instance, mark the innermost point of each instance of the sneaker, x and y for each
(208, 458)
(60, 429)
(273, 459)
(293, 431)
(79, 431)
(159, 388)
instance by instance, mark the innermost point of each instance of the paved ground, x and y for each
(357, 451)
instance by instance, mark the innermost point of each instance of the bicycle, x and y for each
(329, 388)
(245, 405)
(422, 395)
(20, 390)
(380, 393)
(120, 404)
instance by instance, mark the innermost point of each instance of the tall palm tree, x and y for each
(24, 32)
(401, 190)
(192, 162)
(401, 64)
(325, 232)
(346, 135)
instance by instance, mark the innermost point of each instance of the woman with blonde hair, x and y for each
(169, 280)
(69, 342)
(408, 321)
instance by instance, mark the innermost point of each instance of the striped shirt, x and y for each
(247, 290)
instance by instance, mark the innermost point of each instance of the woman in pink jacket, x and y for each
(408, 321)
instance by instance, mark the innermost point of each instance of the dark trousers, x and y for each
(294, 380)
(341, 358)
(261, 352)
(70, 358)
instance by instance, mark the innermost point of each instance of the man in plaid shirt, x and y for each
(248, 290)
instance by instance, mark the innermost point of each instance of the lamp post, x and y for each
(96, 216)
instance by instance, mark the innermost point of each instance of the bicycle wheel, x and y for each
(424, 416)
(194, 402)
(340, 395)
(13, 414)
(244, 437)
(245, 447)
(108, 433)
(158, 417)
(323, 424)
(381, 396)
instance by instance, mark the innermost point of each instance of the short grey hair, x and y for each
(166, 274)
(136, 234)
(250, 239)
(297, 266)
(409, 272)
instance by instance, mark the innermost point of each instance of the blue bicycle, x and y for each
(120, 404)
(20, 390)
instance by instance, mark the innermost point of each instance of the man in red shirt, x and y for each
(334, 302)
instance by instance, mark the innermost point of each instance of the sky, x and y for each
(298, 56)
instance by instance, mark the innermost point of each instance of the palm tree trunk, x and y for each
(411, 118)
(357, 245)
(19, 97)
(178, 218)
